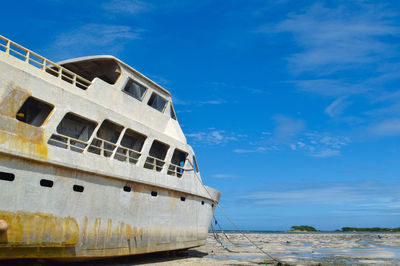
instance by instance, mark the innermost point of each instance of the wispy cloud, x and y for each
(390, 127)
(90, 38)
(337, 38)
(213, 137)
(320, 144)
(365, 195)
(291, 134)
(336, 107)
(287, 127)
(127, 6)
(224, 176)
(199, 102)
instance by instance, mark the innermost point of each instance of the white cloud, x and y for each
(365, 195)
(336, 107)
(390, 127)
(337, 38)
(127, 6)
(214, 137)
(198, 103)
(90, 39)
(287, 127)
(224, 176)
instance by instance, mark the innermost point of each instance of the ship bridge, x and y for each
(142, 99)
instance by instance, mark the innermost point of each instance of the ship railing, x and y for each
(125, 154)
(11, 48)
(68, 143)
(175, 170)
(102, 147)
(154, 163)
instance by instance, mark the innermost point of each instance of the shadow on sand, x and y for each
(168, 256)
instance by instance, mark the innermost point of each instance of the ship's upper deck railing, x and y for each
(11, 48)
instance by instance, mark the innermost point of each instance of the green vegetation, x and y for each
(371, 229)
(304, 228)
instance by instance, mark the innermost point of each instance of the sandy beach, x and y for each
(286, 248)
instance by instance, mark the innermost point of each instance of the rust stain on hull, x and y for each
(16, 135)
(40, 229)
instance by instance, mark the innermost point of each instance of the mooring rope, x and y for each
(227, 217)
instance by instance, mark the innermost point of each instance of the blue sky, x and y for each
(292, 107)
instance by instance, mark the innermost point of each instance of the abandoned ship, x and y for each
(93, 161)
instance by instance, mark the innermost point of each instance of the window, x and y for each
(7, 176)
(172, 111)
(74, 132)
(127, 188)
(177, 163)
(135, 89)
(196, 168)
(34, 112)
(157, 102)
(131, 145)
(107, 134)
(78, 188)
(154, 193)
(156, 157)
(106, 69)
(46, 183)
(183, 198)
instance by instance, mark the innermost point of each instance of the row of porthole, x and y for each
(77, 188)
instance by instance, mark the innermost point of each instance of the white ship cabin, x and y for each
(106, 108)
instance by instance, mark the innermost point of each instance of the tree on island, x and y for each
(304, 228)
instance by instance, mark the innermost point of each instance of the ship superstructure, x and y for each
(93, 161)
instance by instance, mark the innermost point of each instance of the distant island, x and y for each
(308, 228)
(303, 228)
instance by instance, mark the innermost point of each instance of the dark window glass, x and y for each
(7, 176)
(157, 102)
(34, 112)
(134, 89)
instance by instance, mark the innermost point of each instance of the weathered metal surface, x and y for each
(55, 221)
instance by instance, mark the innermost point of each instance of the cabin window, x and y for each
(107, 136)
(154, 193)
(173, 115)
(127, 188)
(135, 89)
(157, 102)
(183, 198)
(74, 132)
(130, 147)
(195, 166)
(156, 157)
(34, 112)
(177, 163)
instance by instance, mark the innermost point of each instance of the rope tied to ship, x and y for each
(227, 217)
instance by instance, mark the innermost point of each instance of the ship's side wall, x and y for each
(159, 212)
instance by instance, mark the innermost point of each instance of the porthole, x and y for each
(46, 183)
(183, 198)
(127, 189)
(78, 188)
(202, 202)
(7, 176)
(154, 193)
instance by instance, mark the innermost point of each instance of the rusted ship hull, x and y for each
(59, 203)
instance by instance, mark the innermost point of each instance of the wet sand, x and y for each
(287, 248)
